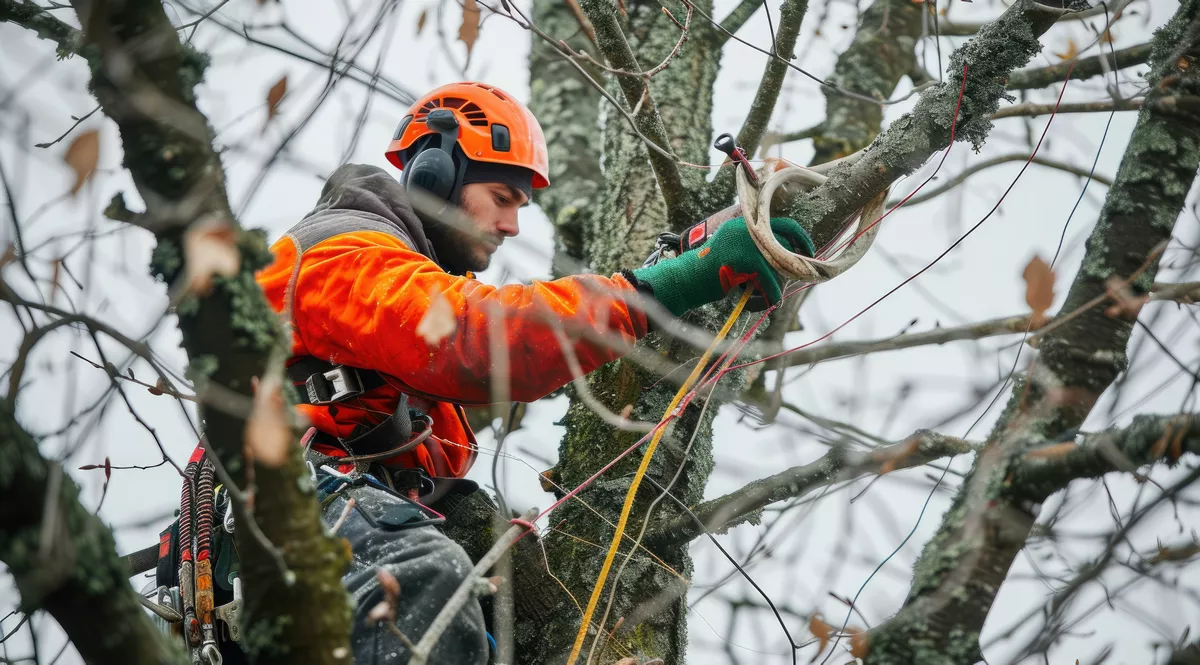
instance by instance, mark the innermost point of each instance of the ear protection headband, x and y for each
(434, 170)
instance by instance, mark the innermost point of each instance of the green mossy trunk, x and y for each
(611, 220)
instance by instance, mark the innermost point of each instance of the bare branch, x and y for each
(468, 588)
(837, 465)
(1085, 68)
(971, 170)
(1003, 45)
(737, 18)
(951, 29)
(1008, 325)
(791, 16)
(1033, 110)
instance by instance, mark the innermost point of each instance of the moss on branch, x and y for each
(75, 573)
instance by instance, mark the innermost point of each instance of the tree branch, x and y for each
(951, 29)
(1085, 68)
(1033, 110)
(32, 17)
(74, 573)
(1003, 326)
(971, 170)
(144, 79)
(1148, 439)
(569, 110)
(612, 43)
(837, 465)
(960, 571)
(988, 58)
(791, 16)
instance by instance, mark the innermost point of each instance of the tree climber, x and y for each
(363, 283)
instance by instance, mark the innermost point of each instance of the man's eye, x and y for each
(502, 200)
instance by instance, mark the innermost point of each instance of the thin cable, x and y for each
(640, 473)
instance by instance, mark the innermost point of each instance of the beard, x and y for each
(458, 250)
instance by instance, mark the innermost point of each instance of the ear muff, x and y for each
(434, 170)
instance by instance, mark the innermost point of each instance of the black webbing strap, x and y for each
(322, 382)
(318, 381)
(141, 560)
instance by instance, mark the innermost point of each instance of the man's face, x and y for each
(492, 208)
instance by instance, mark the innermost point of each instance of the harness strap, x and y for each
(328, 383)
(321, 382)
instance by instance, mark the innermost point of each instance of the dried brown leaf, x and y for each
(82, 156)
(439, 321)
(859, 642)
(384, 611)
(421, 20)
(820, 630)
(546, 480)
(209, 249)
(1177, 553)
(274, 96)
(468, 32)
(628, 660)
(1039, 288)
(389, 583)
(1071, 52)
(268, 437)
(1107, 37)
(159, 387)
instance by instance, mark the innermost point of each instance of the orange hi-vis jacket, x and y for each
(353, 281)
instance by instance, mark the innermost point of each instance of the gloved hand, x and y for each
(729, 258)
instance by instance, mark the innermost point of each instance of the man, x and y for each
(391, 335)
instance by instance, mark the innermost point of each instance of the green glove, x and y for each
(729, 258)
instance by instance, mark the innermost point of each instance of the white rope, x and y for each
(756, 207)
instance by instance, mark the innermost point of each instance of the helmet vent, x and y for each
(472, 112)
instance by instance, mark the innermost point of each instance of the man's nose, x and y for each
(508, 223)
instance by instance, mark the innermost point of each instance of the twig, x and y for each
(466, 590)
(1008, 325)
(337, 525)
(70, 129)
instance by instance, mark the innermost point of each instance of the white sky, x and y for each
(828, 546)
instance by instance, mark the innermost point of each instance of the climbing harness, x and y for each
(755, 207)
(323, 383)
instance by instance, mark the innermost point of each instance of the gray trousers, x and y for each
(429, 567)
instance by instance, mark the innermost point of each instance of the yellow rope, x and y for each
(641, 472)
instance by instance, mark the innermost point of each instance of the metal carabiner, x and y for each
(211, 652)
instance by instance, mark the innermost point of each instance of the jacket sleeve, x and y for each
(360, 299)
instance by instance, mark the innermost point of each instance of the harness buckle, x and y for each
(338, 384)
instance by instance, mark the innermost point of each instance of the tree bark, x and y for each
(144, 79)
(961, 569)
(63, 559)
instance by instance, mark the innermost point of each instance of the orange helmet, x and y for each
(492, 127)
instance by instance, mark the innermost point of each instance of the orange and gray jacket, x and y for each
(355, 278)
